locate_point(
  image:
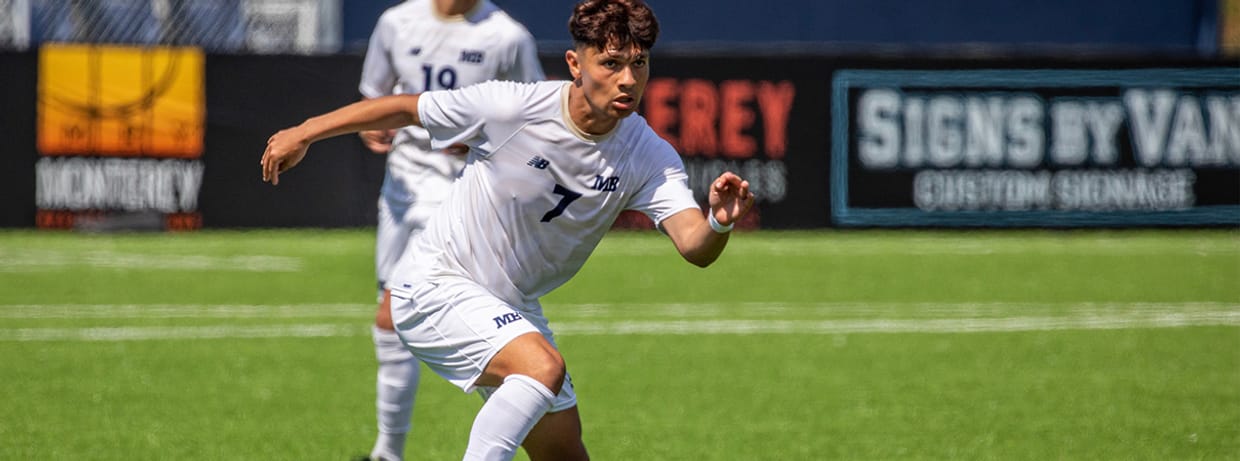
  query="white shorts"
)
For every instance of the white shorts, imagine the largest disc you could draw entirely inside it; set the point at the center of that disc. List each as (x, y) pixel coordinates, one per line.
(456, 327)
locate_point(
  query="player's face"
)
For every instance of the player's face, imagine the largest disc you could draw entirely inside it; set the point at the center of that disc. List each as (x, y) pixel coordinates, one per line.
(613, 80)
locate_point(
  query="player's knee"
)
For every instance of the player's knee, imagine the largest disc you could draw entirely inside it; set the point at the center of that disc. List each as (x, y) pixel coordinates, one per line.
(528, 355)
(545, 364)
(549, 370)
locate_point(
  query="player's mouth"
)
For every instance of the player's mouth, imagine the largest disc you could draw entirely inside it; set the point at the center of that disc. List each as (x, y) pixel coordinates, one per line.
(624, 103)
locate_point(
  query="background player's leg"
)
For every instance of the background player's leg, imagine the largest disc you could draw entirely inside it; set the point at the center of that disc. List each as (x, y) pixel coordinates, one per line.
(396, 382)
(396, 385)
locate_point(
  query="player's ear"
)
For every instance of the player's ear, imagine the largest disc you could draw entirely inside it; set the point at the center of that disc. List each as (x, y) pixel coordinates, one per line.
(574, 66)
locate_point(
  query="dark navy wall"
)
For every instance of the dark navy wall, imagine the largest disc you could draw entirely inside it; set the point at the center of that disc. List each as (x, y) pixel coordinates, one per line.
(1186, 26)
(357, 20)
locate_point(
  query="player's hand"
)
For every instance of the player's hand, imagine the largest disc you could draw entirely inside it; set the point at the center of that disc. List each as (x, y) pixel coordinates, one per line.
(378, 141)
(729, 198)
(285, 150)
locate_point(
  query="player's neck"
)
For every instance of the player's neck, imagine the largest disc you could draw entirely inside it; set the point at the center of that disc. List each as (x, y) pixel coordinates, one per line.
(586, 119)
(455, 7)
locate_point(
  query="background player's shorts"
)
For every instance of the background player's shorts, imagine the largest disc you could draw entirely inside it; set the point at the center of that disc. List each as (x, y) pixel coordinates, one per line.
(398, 223)
(456, 327)
(410, 195)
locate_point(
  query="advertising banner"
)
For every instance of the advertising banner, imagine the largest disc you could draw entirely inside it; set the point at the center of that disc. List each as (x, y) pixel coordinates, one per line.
(106, 138)
(120, 136)
(169, 138)
(1036, 147)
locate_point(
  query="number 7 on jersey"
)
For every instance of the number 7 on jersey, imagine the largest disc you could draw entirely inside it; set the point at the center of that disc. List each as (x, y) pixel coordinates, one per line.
(568, 198)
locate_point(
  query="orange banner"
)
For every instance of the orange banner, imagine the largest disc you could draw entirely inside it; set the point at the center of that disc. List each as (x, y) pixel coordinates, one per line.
(121, 101)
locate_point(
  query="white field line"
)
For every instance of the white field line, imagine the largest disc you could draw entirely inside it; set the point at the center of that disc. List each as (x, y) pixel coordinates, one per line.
(180, 332)
(22, 261)
(1080, 317)
(174, 311)
(1015, 324)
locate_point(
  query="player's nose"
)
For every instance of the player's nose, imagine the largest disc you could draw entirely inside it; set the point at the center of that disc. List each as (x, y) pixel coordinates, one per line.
(628, 78)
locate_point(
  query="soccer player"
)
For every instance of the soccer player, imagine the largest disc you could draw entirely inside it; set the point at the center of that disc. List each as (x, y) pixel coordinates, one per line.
(551, 166)
(418, 46)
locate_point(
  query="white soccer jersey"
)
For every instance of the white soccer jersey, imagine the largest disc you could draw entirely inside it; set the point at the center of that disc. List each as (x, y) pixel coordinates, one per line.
(539, 194)
(415, 49)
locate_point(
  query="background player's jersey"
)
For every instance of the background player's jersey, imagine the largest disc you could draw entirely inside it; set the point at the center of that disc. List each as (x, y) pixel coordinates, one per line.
(415, 49)
(539, 194)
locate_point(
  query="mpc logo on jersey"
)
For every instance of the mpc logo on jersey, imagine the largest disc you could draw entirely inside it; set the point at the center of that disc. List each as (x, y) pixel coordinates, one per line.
(471, 56)
(506, 319)
(606, 183)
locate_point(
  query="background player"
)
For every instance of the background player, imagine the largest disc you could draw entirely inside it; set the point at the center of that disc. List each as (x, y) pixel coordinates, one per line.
(417, 46)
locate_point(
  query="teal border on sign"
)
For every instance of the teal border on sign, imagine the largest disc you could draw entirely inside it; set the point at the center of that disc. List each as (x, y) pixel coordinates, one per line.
(845, 80)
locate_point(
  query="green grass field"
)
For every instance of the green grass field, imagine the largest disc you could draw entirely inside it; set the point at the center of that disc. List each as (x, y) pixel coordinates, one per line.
(1013, 345)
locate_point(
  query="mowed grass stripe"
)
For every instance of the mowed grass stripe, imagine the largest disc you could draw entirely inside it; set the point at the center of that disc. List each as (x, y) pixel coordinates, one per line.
(630, 311)
(1017, 324)
(1042, 244)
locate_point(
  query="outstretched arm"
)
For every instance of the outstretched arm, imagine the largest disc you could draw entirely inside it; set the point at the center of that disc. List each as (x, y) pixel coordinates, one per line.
(378, 141)
(287, 147)
(697, 241)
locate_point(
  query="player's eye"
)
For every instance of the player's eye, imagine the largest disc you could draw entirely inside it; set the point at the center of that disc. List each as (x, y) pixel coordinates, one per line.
(610, 64)
(640, 63)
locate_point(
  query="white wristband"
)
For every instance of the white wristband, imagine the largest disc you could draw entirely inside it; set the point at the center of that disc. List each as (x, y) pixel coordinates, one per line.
(714, 224)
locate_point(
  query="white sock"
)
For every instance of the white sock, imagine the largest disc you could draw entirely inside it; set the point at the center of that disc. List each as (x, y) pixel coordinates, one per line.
(507, 417)
(396, 383)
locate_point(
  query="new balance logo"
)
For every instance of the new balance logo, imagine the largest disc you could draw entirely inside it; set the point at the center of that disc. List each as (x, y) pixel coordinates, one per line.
(538, 162)
(506, 319)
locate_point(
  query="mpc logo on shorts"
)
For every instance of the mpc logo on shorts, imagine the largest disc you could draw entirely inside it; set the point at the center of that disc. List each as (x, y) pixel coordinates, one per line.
(506, 319)
(120, 136)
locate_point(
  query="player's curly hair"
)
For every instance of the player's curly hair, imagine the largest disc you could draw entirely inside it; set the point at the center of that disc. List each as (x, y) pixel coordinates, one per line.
(613, 23)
